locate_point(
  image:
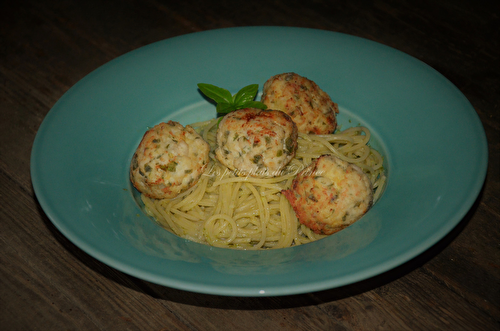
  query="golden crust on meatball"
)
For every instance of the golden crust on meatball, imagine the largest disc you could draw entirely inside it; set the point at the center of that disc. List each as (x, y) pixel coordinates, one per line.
(256, 142)
(330, 194)
(309, 106)
(169, 160)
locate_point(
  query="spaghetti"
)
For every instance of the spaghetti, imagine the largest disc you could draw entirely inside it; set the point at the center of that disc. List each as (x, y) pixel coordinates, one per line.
(243, 212)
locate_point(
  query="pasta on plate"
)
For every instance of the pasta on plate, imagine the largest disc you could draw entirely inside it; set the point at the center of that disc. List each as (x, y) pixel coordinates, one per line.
(233, 210)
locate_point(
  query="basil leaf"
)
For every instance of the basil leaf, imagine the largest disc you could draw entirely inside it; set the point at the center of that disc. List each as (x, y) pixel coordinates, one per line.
(255, 104)
(226, 103)
(218, 94)
(246, 94)
(224, 107)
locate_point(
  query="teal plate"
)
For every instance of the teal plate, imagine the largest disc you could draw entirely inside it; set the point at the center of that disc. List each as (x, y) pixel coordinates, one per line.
(431, 137)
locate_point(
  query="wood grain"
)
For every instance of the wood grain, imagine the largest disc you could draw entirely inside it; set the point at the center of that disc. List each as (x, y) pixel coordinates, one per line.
(47, 283)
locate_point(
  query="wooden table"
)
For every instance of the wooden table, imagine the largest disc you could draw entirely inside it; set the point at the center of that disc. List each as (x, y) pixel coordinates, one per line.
(47, 283)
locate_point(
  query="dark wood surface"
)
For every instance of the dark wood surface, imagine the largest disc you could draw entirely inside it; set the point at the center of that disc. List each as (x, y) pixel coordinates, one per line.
(47, 283)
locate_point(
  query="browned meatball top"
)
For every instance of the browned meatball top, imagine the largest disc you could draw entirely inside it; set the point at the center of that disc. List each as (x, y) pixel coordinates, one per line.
(330, 194)
(309, 106)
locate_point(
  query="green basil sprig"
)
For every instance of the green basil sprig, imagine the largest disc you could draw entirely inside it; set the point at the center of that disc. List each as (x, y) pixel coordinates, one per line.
(226, 102)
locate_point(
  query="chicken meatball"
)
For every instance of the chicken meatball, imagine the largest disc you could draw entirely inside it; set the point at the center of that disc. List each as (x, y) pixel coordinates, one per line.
(256, 142)
(309, 106)
(169, 160)
(330, 194)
